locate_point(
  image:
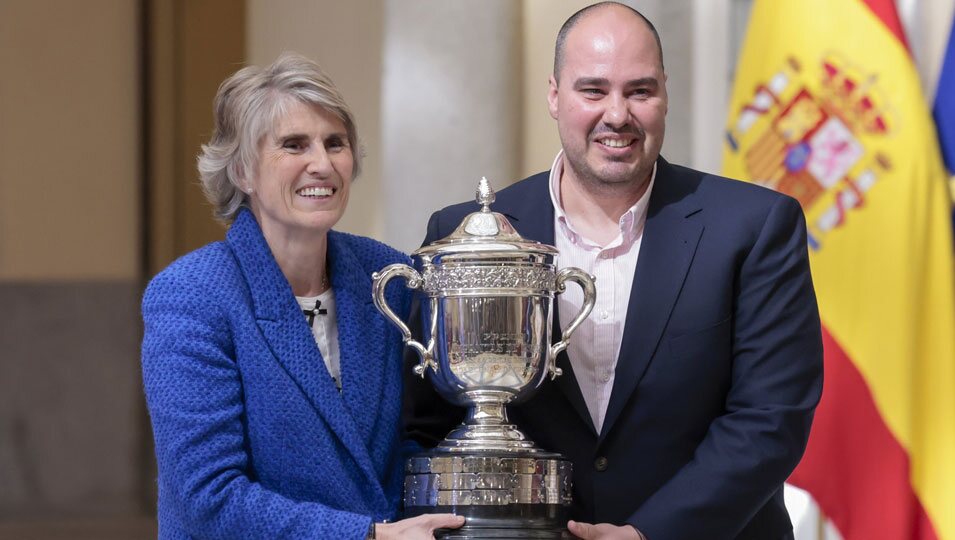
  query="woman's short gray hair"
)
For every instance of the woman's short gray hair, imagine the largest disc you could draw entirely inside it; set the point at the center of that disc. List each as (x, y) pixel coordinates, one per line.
(247, 107)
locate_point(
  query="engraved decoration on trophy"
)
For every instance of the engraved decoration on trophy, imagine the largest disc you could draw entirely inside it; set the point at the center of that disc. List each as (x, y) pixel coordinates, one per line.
(486, 314)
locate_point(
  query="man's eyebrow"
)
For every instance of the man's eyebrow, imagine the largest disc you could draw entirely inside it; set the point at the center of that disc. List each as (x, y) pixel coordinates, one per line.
(644, 81)
(600, 81)
(590, 81)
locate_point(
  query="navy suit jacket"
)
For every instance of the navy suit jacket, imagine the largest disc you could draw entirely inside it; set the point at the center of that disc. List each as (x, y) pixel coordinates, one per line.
(253, 439)
(719, 372)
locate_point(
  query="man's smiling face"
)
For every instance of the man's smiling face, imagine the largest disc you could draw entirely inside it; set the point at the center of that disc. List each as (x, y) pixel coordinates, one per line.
(610, 102)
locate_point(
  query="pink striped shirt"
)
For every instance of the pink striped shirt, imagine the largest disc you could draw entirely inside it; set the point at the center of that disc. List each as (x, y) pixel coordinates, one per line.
(595, 346)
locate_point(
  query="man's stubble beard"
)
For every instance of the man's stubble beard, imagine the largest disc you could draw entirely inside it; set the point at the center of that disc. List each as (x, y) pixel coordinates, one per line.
(609, 186)
(605, 185)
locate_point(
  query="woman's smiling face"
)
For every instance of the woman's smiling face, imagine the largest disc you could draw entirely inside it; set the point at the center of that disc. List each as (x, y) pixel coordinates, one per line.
(304, 172)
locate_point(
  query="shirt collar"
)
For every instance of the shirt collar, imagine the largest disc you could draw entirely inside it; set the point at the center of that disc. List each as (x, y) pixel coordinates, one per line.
(631, 222)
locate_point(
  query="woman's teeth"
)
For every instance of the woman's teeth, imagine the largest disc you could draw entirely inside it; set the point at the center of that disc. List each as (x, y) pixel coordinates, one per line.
(316, 192)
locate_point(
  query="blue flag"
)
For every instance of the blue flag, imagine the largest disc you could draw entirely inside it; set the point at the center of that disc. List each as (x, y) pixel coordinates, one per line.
(944, 110)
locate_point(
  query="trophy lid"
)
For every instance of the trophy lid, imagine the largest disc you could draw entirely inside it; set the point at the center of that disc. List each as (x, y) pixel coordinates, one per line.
(485, 231)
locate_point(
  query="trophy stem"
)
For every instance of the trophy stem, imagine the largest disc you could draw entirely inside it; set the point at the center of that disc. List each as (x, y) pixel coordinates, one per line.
(486, 413)
(487, 429)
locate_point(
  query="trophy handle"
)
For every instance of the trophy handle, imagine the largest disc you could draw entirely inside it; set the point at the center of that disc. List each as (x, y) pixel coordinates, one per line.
(413, 281)
(586, 282)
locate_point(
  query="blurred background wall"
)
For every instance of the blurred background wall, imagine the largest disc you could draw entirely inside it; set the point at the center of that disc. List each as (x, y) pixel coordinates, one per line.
(103, 106)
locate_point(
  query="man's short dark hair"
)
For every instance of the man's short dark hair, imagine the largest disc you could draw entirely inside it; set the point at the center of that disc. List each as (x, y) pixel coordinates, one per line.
(575, 18)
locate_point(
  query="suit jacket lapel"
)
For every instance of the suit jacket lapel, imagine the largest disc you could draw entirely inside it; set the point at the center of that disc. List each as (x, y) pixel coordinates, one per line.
(533, 218)
(290, 339)
(669, 242)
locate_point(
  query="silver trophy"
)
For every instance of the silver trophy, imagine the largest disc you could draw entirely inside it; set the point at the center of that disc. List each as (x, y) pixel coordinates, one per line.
(487, 320)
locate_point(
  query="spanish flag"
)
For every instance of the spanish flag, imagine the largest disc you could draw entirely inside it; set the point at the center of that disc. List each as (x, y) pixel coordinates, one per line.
(827, 107)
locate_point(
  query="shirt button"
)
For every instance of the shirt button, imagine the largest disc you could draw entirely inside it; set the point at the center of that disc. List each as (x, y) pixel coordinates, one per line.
(600, 464)
(605, 377)
(605, 314)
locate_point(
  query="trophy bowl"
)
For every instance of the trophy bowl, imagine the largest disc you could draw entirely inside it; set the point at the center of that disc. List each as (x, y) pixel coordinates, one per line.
(487, 319)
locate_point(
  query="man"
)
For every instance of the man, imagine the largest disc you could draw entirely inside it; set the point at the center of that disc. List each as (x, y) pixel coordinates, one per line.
(687, 397)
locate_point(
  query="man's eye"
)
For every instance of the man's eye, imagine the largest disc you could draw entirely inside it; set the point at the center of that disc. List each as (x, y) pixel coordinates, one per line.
(592, 91)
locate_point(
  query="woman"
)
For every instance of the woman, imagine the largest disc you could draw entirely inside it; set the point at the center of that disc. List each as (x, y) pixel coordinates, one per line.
(273, 384)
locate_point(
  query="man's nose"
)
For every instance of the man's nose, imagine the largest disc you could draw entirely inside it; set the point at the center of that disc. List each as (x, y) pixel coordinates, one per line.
(617, 114)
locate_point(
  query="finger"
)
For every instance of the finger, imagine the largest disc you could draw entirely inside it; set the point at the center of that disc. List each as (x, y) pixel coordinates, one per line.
(582, 530)
(444, 521)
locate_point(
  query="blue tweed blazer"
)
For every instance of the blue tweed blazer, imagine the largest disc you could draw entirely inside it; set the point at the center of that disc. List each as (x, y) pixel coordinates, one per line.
(253, 440)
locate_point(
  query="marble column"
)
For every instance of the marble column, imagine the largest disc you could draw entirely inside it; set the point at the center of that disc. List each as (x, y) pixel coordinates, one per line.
(451, 96)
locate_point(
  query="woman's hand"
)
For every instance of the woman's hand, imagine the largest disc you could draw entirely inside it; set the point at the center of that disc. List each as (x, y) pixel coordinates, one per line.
(419, 527)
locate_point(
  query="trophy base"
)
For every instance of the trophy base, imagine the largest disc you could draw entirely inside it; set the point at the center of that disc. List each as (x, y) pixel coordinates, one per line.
(512, 522)
(501, 534)
(465, 533)
(501, 495)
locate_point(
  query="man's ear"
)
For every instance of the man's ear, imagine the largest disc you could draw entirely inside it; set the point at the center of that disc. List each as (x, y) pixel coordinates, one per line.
(667, 106)
(552, 97)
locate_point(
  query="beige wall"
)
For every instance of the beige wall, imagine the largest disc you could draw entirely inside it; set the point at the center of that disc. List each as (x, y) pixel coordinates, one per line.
(451, 110)
(69, 140)
(542, 20)
(72, 431)
(193, 45)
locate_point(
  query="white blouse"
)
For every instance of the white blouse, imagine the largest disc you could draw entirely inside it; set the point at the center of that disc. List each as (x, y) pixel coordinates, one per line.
(321, 311)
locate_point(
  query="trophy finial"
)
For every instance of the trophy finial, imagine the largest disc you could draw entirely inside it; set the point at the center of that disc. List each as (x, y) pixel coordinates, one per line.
(485, 194)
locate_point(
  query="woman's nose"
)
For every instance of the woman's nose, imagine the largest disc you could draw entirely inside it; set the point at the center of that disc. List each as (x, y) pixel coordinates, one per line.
(319, 164)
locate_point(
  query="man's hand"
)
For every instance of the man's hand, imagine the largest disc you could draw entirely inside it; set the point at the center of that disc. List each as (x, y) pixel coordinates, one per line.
(417, 528)
(603, 531)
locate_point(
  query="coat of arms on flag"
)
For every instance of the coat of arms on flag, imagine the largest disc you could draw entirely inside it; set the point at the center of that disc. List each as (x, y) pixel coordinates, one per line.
(806, 142)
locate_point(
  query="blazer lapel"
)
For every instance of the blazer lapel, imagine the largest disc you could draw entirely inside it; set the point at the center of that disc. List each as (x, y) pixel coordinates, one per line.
(669, 243)
(290, 339)
(361, 344)
(533, 218)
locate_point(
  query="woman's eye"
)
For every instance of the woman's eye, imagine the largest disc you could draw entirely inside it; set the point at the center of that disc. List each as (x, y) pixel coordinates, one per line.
(335, 143)
(293, 145)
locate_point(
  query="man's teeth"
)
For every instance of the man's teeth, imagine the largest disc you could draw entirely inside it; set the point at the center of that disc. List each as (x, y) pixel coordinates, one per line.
(316, 192)
(616, 143)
